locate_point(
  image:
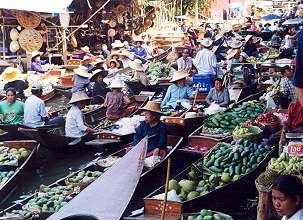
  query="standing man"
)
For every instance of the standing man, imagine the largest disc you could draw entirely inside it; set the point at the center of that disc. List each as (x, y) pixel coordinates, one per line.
(205, 60)
(185, 63)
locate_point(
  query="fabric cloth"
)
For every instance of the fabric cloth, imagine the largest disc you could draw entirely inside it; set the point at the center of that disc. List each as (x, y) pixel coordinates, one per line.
(80, 83)
(185, 64)
(295, 115)
(56, 120)
(297, 79)
(125, 63)
(297, 216)
(175, 93)
(287, 89)
(205, 62)
(12, 113)
(37, 66)
(219, 97)
(74, 125)
(19, 86)
(141, 77)
(139, 52)
(34, 111)
(144, 130)
(114, 104)
(99, 90)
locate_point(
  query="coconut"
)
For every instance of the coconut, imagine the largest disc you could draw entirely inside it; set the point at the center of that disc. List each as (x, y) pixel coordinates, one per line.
(187, 185)
(192, 195)
(173, 184)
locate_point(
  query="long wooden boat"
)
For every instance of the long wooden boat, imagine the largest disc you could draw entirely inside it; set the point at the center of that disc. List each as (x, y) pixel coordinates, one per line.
(161, 56)
(48, 96)
(14, 179)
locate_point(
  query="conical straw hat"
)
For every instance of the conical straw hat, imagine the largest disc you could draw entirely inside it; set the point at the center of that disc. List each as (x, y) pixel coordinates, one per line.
(11, 74)
(78, 97)
(152, 106)
(178, 75)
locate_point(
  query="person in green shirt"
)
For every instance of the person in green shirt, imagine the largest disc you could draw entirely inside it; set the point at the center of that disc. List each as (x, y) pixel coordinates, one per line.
(11, 110)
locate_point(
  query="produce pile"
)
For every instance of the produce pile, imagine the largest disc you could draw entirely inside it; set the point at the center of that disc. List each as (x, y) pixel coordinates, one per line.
(208, 215)
(223, 123)
(246, 132)
(84, 177)
(158, 70)
(227, 162)
(60, 190)
(11, 156)
(43, 202)
(5, 175)
(105, 123)
(264, 119)
(286, 164)
(272, 53)
(20, 214)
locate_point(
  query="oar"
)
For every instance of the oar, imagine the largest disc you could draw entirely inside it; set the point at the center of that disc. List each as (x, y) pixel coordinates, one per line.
(166, 189)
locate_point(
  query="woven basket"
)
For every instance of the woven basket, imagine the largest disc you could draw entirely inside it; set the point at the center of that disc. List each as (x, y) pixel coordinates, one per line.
(255, 136)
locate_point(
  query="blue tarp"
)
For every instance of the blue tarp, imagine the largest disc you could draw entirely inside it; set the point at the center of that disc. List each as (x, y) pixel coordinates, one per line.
(271, 17)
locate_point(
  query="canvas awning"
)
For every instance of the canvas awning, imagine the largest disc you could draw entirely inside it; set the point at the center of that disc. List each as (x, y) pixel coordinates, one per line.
(47, 6)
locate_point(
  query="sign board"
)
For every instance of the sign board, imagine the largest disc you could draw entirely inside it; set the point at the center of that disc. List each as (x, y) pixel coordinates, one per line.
(294, 148)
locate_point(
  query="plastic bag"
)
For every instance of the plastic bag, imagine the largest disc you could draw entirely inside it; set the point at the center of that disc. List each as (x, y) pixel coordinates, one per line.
(151, 161)
(213, 108)
(270, 103)
(171, 196)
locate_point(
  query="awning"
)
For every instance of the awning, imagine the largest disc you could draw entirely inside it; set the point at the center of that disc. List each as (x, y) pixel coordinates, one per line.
(294, 21)
(270, 17)
(47, 6)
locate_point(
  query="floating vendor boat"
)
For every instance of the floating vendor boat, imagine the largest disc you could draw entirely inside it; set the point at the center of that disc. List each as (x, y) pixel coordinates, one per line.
(16, 157)
(161, 56)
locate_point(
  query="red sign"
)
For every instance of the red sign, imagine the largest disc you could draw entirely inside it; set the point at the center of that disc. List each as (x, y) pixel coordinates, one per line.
(295, 149)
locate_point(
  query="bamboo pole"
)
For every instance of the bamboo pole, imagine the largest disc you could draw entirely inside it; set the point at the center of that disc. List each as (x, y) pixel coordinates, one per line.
(166, 189)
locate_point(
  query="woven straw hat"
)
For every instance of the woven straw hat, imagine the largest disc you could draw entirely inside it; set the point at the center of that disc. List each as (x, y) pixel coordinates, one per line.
(78, 97)
(117, 44)
(248, 37)
(235, 44)
(99, 60)
(231, 53)
(138, 39)
(11, 74)
(152, 106)
(136, 65)
(36, 53)
(178, 75)
(206, 42)
(113, 60)
(85, 49)
(82, 71)
(116, 83)
(98, 72)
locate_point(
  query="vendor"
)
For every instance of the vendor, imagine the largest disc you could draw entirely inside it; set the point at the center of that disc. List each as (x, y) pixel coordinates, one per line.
(155, 129)
(124, 58)
(11, 109)
(115, 100)
(177, 91)
(218, 94)
(86, 52)
(138, 50)
(287, 90)
(113, 67)
(287, 197)
(156, 51)
(13, 79)
(35, 114)
(139, 71)
(100, 88)
(80, 79)
(185, 63)
(75, 126)
(37, 63)
(250, 47)
(246, 64)
(86, 62)
(100, 63)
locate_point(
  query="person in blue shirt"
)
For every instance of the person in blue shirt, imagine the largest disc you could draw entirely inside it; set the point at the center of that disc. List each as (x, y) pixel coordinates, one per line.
(152, 128)
(37, 63)
(297, 79)
(138, 50)
(177, 91)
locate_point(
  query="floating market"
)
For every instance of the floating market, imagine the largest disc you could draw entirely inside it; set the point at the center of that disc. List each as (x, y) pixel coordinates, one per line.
(142, 109)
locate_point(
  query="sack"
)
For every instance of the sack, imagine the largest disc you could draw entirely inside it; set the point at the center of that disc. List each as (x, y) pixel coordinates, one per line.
(151, 161)
(213, 108)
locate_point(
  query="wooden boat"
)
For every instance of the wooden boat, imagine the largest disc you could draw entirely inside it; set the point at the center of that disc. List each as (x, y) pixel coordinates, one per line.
(48, 96)
(161, 56)
(14, 180)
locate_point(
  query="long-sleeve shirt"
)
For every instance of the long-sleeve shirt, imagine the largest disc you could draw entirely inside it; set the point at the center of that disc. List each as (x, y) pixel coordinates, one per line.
(185, 64)
(219, 97)
(139, 52)
(37, 66)
(74, 125)
(297, 79)
(175, 93)
(205, 62)
(80, 83)
(158, 132)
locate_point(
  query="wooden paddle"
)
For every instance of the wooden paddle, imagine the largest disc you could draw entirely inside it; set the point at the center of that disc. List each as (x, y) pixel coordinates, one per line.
(166, 189)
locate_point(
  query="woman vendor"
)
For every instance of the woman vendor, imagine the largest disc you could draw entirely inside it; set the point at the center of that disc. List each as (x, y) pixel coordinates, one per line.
(153, 128)
(37, 63)
(115, 100)
(138, 50)
(177, 91)
(287, 90)
(113, 67)
(13, 79)
(75, 126)
(100, 88)
(287, 197)
(11, 109)
(218, 94)
(139, 71)
(80, 79)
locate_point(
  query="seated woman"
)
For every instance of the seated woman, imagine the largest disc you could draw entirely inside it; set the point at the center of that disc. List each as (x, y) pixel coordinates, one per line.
(139, 71)
(287, 197)
(114, 100)
(177, 91)
(113, 67)
(80, 79)
(11, 110)
(152, 127)
(218, 94)
(75, 126)
(37, 63)
(100, 88)
(13, 79)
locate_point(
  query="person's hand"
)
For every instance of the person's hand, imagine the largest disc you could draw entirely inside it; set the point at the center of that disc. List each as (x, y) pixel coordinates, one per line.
(49, 116)
(90, 130)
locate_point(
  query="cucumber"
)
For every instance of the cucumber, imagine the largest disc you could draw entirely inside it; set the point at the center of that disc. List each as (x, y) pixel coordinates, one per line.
(231, 171)
(207, 217)
(237, 170)
(218, 161)
(215, 122)
(244, 161)
(236, 156)
(210, 162)
(243, 169)
(253, 159)
(259, 159)
(216, 169)
(244, 153)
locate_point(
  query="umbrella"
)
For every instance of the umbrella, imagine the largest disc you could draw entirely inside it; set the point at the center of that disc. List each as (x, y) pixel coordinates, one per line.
(270, 17)
(293, 21)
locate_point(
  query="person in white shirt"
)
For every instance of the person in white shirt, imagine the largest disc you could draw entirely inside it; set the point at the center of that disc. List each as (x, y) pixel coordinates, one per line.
(75, 126)
(287, 197)
(205, 60)
(185, 63)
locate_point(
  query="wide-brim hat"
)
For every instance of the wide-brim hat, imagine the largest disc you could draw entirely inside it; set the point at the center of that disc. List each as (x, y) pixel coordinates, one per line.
(218, 37)
(113, 60)
(206, 42)
(138, 39)
(136, 65)
(152, 106)
(111, 32)
(231, 53)
(98, 72)
(99, 60)
(248, 37)
(178, 75)
(85, 49)
(78, 97)
(235, 44)
(117, 44)
(116, 83)
(236, 27)
(82, 71)
(11, 74)
(36, 53)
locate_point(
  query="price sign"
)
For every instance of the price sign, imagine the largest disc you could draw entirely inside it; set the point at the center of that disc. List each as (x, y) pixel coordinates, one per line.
(295, 148)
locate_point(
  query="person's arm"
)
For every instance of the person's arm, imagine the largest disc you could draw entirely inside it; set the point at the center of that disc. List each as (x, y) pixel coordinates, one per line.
(162, 143)
(43, 62)
(81, 125)
(189, 92)
(209, 96)
(43, 112)
(297, 79)
(179, 64)
(138, 135)
(283, 87)
(214, 63)
(166, 97)
(196, 60)
(106, 101)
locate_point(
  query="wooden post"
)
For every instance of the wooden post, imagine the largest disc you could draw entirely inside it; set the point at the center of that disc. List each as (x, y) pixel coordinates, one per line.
(28, 60)
(166, 189)
(64, 46)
